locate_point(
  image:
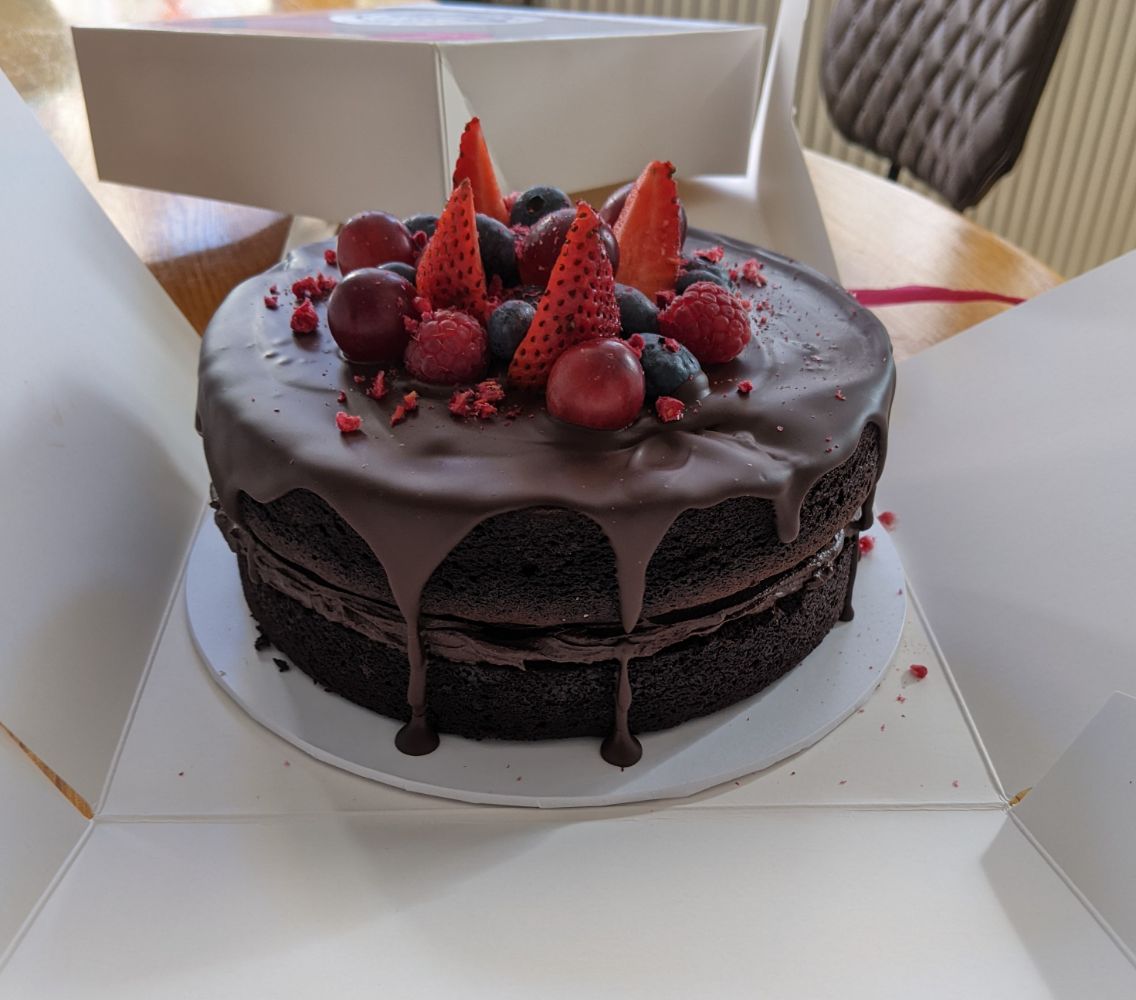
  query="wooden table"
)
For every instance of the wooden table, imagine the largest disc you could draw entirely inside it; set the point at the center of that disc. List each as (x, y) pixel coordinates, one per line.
(883, 234)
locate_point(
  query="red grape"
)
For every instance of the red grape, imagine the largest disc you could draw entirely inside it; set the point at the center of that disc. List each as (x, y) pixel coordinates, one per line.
(618, 198)
(373, 238)
(541, 246)
(597, 384)
(365, 315)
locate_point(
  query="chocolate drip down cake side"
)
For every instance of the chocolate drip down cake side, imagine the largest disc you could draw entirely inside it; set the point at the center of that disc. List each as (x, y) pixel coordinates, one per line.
(527, 471)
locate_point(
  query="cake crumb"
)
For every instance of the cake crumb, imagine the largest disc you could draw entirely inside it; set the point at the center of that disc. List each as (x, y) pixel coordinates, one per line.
(281, 665)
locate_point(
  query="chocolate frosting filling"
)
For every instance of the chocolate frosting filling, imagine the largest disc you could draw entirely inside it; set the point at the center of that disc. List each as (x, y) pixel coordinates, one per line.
(821, 368)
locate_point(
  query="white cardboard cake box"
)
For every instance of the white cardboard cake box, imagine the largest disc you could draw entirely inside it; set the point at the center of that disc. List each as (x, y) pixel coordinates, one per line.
(885, 861)
(328, 113)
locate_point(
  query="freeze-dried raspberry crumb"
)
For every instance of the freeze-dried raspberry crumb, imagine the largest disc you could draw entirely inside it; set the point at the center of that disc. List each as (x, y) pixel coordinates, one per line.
(378, 387)
(342, 397)
(305, 288)
(410, 401)
(751, 272)
(483, 409)
(901, 698)
(664, 297)
(867, 543)
(840, 395)
(304, 318)
(461, 402)
(918, 671)
(490, 391)
(271, 302)
(359, 379)
(326, 285)
(955, 784)
(887, 519)
(672, 345)
(780, 427)
(669, 409)
(331, 258)
(714, 254)
(733, 273)
(511, 412)
(398, 416)
(346, 423)
(421, 305)
(745, 387)
(636, 343)
(410, 324)
(273, 290)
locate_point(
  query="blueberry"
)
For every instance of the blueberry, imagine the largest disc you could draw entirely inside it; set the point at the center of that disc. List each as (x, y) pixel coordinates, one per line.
(498, 252)
(407, 271)
(637, 313)
(422, 223)
(507, 327)
(537, 202)
(698, 264)
(693, 277)
(665, 370)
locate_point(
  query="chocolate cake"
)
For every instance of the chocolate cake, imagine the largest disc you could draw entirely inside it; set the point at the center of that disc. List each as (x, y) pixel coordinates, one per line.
(509, 575)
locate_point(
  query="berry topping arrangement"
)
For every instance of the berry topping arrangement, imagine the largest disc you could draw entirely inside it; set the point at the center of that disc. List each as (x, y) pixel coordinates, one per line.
(599, 312)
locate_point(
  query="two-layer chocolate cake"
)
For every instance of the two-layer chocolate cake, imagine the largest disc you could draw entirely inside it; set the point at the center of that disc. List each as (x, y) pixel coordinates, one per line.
(583, 527)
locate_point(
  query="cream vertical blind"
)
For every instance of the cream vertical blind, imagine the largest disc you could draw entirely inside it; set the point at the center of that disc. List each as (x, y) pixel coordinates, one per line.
(1071, 198)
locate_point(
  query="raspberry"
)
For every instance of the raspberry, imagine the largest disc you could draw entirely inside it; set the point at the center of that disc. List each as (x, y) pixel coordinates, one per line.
(448, 348)
(708, 320)
(304, 318)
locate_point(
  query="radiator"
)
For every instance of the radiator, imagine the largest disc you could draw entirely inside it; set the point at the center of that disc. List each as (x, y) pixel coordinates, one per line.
(1071, 198)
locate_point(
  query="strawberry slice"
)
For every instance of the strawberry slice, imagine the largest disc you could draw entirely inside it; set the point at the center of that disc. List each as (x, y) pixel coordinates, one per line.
(475, 166)
(450, 274)
(648, 232)
(578, 304)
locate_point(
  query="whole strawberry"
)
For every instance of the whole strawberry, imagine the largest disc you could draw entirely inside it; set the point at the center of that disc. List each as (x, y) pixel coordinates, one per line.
(447, 348)
(709, 321)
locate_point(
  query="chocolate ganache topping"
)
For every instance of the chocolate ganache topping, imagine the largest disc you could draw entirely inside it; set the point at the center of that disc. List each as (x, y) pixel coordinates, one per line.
(821, 368)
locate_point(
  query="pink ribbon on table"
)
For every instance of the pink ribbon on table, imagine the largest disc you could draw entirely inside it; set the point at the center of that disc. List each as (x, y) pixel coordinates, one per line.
(926, 293)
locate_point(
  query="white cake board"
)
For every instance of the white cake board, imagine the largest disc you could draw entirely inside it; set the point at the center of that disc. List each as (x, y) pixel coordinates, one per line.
(785, 718)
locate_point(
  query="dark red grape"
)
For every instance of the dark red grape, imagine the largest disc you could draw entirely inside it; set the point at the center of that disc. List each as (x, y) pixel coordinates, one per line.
(365, 315)
(373, 238)
(597, 384)
(541, 246)
(618, 198)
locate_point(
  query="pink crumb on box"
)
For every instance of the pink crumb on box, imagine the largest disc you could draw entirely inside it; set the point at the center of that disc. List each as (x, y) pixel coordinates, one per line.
(745, 387)
(329, 255)
(918, 671)
(271, 302)
(304, 318)
(867, 543)
(713, 254)
(887, 519)
(347, 423)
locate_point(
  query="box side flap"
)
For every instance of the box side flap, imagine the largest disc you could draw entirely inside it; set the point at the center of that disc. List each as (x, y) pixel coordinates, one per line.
(38, 830)
(623, 108)
(1012, 470)
(104, 477)
(1083, 813)
(314, 126)
(772, 204)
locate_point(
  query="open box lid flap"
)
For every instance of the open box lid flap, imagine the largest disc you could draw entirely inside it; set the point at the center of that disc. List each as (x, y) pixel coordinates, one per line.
(258, 127)
(1083, 812)
(1012, 471)
(104, 476)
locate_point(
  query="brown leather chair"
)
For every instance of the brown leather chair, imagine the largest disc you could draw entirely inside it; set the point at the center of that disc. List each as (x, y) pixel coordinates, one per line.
(944, 89)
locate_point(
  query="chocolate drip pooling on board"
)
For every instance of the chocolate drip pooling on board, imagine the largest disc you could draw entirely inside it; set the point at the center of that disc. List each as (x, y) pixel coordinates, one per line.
(821, 366)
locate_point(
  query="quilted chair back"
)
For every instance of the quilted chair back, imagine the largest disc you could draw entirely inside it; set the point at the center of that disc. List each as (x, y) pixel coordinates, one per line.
(944, 89)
